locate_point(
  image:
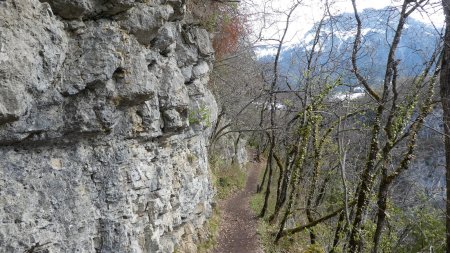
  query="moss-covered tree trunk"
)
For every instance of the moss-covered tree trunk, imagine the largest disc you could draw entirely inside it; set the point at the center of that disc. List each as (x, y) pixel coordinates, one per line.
(445, 95)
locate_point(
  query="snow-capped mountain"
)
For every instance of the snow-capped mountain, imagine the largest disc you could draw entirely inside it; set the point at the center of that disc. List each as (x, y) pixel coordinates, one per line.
(333, 50)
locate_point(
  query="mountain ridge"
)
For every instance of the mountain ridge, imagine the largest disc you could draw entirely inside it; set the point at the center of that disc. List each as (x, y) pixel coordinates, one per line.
(336, 42)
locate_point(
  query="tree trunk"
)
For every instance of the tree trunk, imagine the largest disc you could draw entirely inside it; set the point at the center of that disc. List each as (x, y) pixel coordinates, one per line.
(281, 195)
(280, 178)
(365, 187)
(296, 174)
(337, 234)
(269, 182)
(445, 95)
(381, 214)
(260, 187)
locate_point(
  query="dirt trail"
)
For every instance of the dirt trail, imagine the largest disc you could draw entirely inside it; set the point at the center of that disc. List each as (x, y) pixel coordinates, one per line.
(237, 232)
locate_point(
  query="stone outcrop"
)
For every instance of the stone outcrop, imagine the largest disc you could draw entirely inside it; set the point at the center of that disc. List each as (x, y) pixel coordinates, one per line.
(104, 120)
(231, 149)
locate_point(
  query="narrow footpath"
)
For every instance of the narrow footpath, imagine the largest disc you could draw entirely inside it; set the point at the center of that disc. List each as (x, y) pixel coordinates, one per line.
(237, 233)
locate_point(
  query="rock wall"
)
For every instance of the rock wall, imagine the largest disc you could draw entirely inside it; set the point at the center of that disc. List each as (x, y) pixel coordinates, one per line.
(103, 132)
(231, 149)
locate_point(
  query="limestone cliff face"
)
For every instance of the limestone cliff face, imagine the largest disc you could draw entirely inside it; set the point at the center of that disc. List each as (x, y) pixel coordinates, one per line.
(102, 126)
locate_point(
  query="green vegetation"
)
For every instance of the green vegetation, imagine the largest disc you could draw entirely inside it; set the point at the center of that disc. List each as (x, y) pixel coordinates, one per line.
(212, 230)
(297, 243)
(427, 229)
(200, 116)
(424, 224)
(227, 179)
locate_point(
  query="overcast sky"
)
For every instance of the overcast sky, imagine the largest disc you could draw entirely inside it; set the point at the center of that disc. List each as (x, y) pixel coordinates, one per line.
(311, 11)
